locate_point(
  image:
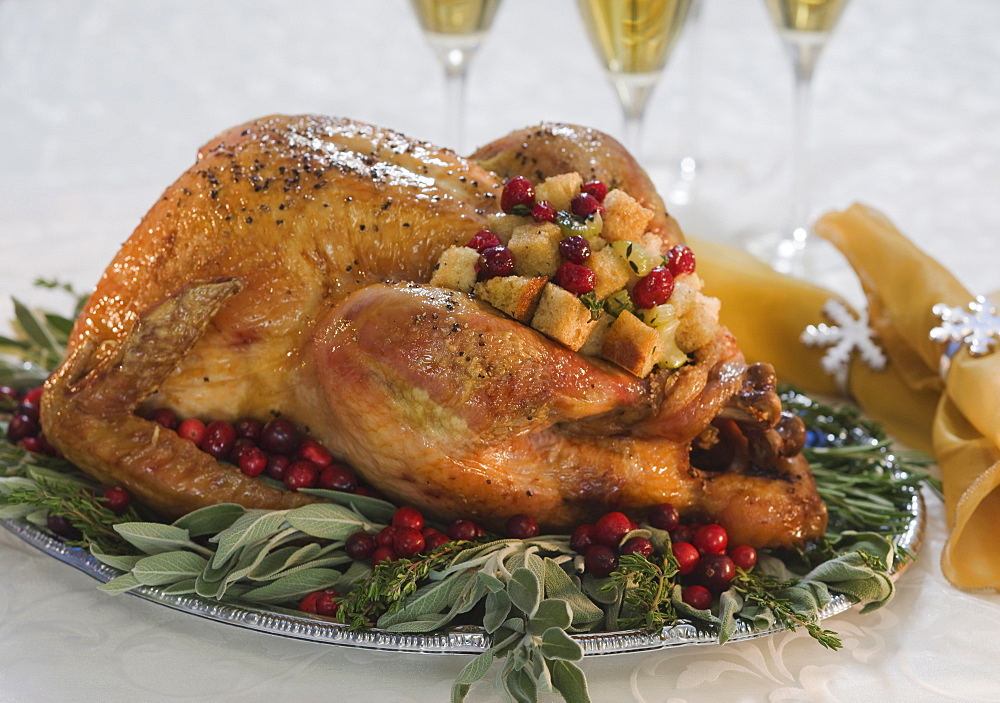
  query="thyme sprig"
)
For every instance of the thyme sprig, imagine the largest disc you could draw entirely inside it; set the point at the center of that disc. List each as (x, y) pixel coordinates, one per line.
(764, 591)
(644, 587)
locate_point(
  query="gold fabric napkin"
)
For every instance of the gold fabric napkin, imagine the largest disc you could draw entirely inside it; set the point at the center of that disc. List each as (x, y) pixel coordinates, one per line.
(957, 419)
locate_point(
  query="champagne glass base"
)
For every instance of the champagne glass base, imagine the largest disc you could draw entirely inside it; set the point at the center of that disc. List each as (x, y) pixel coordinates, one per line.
(795, 252)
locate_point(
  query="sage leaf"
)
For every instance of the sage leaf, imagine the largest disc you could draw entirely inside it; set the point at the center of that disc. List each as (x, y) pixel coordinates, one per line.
(524, 591)
(120, 584)
(459, 692)
(497, 608)
(558, 584)
(475, 669)
(16, 511)
(122, 562)
(556, 644)
(429, 599)
(181, 588)
(569, 680)
(326, 521)
(376, 510)
(36, 331)
(730, 603)
(211, 519)
(415, 626)
(520, 686)
(253, 526)
(551, 612)
(154, 538)
(492, 583)
(294, 587)
(168, 567)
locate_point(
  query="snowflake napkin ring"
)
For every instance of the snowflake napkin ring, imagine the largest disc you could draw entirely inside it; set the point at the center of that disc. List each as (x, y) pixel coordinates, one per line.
(975, 327)
(846, 335)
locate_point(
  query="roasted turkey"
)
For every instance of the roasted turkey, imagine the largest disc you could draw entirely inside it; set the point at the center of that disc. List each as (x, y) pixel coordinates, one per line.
(286, 274)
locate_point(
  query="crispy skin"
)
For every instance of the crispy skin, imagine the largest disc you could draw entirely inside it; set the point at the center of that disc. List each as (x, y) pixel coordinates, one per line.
(313, 220)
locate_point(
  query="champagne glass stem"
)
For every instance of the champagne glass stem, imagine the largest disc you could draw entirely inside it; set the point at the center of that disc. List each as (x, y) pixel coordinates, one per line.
(456, 79)
(804, 57)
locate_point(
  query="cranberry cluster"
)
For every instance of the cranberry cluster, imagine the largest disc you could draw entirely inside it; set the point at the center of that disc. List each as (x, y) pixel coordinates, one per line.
(275, 448)
(25, 428)
(705, 566)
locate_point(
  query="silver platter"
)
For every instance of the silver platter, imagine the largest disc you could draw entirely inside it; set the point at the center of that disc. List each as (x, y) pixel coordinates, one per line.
(461, 640)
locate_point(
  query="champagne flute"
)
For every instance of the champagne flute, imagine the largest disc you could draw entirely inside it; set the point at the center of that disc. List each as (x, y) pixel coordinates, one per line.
(633, 39)
(455, 29)
(804, 27)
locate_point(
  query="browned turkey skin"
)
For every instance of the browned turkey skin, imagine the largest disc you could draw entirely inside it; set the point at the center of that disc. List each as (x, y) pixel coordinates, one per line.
(285, 273)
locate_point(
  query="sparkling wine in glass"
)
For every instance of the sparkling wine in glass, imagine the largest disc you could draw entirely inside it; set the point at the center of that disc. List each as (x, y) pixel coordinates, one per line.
(455, 29)
(804, 27)
(634, 39)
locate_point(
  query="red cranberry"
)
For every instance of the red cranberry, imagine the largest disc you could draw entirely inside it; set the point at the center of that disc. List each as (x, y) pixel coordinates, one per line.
(434, 539)
(218, 439)
(31, 403)
(654, 288)
(680, 260)
(697, 596)
(301, 474)
(518, 196)
(165, 417)
(744, 557)
(611, 527)
(407, 542)
(583, 537)
(711, 539)
(21, 427)
(45, 446)
(240, 447)
(408, 516)
(313, 451)
(382, 554)
(595, 188)
(686, 555)
(462, 530)
(277, 464)
(600, 560)
(116, 499)
(575, 278)
(682, 533)
(495, 261)
(279, 435)
(62, 527)
(543, 212)
(253, 461)
(32, 444)
(714, 572)
(575, 248)
(337, 477)
(522, 527)
(638, 545)
(325, 603)
(585, 205)
(384, 536)
(360, 546)
(664, 517)
(249, 428)
(193, 429)
(483, 240)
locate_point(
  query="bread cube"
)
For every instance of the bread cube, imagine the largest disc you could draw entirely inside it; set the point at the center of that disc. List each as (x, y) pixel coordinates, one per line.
(456, 269)
(611, 272)
(515, 295)
(502, 225)
(536, 249)
(595, 341)
(561, 316)
(625, 218)
(632, 344)
(699, 325)
(559, 190)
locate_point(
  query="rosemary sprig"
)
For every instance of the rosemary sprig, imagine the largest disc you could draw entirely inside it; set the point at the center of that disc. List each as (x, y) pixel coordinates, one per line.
(645, 586)
(82, 508)
(391, 583)
(764, 591)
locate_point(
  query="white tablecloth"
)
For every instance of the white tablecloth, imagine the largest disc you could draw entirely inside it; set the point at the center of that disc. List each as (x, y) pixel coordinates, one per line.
(104, 102)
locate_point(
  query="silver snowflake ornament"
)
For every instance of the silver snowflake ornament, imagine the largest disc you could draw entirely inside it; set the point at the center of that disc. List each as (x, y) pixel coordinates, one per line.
(846, 335)
(977, 326)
